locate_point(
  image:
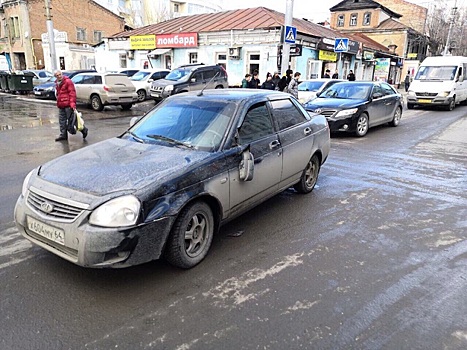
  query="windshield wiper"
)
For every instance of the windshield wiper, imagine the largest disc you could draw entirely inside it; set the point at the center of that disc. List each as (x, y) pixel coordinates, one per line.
(169, 140)
(135, 137)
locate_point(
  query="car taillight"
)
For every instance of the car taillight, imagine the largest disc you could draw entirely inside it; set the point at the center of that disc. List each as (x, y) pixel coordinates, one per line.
(225, 72)
(106, 88)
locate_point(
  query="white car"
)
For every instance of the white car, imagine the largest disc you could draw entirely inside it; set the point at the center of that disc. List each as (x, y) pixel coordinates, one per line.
(308, 89)
(142, 80)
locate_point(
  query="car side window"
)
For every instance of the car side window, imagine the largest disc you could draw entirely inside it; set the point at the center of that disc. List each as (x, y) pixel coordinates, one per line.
(78, 79)
(256, 124)
(209, 74)
(387, 89)
(87, 79)
(98, 80)
(198, 76)
(377, 90)
(286, 114)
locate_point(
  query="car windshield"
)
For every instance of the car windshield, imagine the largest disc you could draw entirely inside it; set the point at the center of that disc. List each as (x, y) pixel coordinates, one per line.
(177, 74)
(194, 123)
(140, 76)
(347, 91)
(436, 73)
(310, 85)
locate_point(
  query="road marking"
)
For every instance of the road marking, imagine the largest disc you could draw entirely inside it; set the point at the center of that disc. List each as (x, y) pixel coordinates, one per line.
(14, 248)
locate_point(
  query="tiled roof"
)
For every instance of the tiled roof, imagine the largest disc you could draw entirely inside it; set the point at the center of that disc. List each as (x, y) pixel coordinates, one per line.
(242, 19)
(391, 24)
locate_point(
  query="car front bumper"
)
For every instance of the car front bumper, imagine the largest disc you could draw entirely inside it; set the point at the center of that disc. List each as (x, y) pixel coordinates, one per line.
(347, 124)
(429, 101)
(91, 246)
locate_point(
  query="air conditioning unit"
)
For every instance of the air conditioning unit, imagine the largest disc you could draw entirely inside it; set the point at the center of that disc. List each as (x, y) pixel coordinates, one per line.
(234, 51)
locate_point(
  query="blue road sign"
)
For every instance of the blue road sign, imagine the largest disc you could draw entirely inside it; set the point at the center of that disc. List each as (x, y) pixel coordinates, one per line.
(341, 45)
(290, 34)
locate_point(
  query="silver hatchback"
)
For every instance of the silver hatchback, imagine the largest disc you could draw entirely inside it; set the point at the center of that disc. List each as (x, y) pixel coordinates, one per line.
(103, 89)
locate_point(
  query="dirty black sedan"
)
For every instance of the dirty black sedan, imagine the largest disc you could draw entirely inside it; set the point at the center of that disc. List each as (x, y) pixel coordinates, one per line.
(164, 187)
(357, 106)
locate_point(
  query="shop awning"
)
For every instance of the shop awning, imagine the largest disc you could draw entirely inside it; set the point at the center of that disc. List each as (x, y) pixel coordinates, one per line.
(157, 52)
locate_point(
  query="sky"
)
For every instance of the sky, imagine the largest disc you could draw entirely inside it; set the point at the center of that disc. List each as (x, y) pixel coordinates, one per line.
(313, 10)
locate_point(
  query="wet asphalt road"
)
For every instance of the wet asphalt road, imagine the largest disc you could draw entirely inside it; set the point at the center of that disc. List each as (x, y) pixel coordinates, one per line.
(374, 258)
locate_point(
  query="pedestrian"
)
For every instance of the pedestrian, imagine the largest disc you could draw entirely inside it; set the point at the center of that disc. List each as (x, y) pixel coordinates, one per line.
(327, 74)
(66, 103)
(255, 83)
(276, 79)
(351, 76)
(293, 85)
(407, 80)
(246, 80)
(268, 83)
(285, 80)
(335, 75)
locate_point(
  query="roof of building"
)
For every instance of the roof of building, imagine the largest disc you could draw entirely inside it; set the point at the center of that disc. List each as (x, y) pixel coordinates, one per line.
(348, 5)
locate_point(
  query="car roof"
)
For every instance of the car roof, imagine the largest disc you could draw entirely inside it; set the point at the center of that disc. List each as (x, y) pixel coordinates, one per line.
(233, 94)
(321, 80)
(150, 70)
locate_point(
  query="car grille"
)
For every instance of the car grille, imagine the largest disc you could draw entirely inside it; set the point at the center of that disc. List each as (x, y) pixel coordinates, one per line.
(426, 94)
(59, 211)
(157, 88)
(328, 112)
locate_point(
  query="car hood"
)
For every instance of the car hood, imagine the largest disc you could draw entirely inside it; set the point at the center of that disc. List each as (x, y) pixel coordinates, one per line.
(116, 165)
(165, 82)
(45, 85)
(335, 103)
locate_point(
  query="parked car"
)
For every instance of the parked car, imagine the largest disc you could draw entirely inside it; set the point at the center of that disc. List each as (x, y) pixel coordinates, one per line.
(356, 106)
(191, 77)
(39, 76)
(47, 89)
(143, 79)
(103, 89)
(164, 187)
(308, 89)
(127, 72)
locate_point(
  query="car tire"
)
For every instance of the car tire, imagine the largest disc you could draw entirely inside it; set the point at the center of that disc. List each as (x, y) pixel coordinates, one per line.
(451, 105)
(126, 106)
(141, 95)
(191, 236)
(396, 119)
(362, 125)
(309, 176)
(410, 106)
(96, 103)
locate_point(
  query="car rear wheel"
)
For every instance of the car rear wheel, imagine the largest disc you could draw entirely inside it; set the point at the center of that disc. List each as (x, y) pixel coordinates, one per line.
(397, 117)
(96, 103)
(362, 125)
(191, 236)
(309, 176)
(141, 95)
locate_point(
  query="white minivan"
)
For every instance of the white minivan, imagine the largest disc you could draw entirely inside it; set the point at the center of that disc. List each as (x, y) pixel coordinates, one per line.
(440, 81)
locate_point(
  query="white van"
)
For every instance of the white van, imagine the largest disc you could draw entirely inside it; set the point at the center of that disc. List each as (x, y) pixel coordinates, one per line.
(440, 81)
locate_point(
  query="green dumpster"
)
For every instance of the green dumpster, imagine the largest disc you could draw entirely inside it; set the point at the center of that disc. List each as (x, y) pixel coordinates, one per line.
(4, 81)
(21, 82)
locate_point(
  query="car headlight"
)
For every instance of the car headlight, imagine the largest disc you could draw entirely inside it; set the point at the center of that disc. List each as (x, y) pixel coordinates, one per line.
(411, 93)
(169, 88)
(25, 187)
(50, 89)
(118, 212)
(444, 93)
(346, 112)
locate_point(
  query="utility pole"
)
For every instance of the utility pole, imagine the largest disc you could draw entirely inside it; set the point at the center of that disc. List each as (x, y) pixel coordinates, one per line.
(286, 46)
(451, 23)
(50, 32)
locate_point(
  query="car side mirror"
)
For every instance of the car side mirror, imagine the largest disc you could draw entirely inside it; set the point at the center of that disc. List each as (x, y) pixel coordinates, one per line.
(150, 80)
(193, 80)
(246, 166)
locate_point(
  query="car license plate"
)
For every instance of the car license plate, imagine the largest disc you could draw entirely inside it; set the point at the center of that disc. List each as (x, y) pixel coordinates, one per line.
(49, 232)
(37, 92)
(424, 101)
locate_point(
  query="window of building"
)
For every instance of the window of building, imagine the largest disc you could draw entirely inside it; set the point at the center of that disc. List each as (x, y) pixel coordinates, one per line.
(80, 34)
(176, 8)
(353, 19)
(123, 61)
(340, 20)
(221, 60)
(97, 36)
(193, 58)
(14, 27)
(367, 18)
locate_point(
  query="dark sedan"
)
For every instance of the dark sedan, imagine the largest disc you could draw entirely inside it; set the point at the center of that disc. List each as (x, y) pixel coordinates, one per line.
(47, 90)
(165, 186)
(357, 106)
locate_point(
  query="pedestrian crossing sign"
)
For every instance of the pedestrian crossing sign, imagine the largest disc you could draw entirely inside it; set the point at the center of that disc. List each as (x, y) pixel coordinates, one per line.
(290, 34)
(341, 45)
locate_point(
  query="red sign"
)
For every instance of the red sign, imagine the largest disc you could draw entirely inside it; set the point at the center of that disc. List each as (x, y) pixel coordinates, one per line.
(176, 40)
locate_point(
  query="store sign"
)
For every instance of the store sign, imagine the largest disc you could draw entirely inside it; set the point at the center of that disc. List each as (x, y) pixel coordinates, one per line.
(412, 55)
(143, 42)
(382, 69)
(327, 56)
(177, 40)
(58, 37)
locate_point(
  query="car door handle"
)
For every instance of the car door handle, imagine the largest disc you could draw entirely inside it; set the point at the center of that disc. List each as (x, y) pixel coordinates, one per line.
(274, 144)
(307, 131)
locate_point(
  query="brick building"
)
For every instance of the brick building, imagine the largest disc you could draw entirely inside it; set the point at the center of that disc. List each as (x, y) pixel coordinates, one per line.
(78, 24)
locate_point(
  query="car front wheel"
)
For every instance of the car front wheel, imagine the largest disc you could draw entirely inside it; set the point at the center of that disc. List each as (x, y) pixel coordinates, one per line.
(397, 117)
(191, 236)
(362, 125)
(309, 176)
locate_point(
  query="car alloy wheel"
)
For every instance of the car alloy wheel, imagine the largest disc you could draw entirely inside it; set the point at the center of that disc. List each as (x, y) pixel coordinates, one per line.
(397, 117)
(362, 125)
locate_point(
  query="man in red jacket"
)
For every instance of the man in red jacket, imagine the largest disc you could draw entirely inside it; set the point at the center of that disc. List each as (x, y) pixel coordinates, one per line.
(66, 103)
